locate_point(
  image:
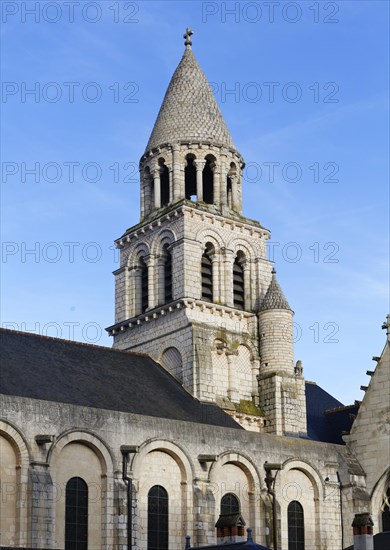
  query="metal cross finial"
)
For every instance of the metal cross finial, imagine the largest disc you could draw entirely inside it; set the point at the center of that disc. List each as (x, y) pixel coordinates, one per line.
(189, 32)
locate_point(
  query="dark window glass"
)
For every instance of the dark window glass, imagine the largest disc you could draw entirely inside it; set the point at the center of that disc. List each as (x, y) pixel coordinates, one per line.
(386, 512)
(296, 529)
(144, 286)
(76, 514)
(168, 277)
(207, 278)
(229, 504)
(190, 178)
(208, 182)
(238, 284)
(164, 178)
(157, 518)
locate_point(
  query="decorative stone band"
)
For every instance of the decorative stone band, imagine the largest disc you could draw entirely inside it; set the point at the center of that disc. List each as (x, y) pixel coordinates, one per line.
(201, 144)
(166, 309)
(178, 210)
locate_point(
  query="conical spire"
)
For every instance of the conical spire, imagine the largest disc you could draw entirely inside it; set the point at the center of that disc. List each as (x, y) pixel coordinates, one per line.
(274, 297)
(189, 111)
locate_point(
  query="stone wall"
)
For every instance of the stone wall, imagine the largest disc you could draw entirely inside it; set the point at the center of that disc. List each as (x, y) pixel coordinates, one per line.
(87, 442)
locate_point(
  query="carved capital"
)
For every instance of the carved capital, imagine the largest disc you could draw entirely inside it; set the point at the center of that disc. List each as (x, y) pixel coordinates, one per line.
(199, 165)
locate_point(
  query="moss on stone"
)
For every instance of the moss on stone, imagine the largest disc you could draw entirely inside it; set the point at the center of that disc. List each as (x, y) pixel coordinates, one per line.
(248, 407)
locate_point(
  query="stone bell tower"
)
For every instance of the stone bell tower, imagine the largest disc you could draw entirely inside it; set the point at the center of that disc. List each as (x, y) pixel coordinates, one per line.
(194, 273)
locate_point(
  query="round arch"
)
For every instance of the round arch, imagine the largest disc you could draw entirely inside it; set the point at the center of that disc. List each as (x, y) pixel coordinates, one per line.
(165, 237)
(140, 251)
(176, 481)
(23, 455)
(310, 471)
(239, 244)
(166, 446)
(250, 496)
(19, 443)
(207, 234)
(102, 479)
(91, 440)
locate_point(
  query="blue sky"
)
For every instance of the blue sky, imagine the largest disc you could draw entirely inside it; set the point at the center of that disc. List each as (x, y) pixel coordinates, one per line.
(323, 132)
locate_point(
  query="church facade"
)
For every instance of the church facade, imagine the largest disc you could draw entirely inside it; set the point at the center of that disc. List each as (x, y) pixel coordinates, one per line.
(174, 431)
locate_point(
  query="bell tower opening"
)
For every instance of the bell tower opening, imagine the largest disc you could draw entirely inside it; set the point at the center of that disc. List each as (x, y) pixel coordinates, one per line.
(207, 273)
(144, 286)
(168, 275)
(164, 178)
(238, 281)
(190, 178)
(208, 180)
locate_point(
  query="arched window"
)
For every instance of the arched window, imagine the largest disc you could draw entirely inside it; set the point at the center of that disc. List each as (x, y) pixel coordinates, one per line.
(168, 275)
(296, 529)
(76, 514)
(190, 178)
(157, 518)
(229, 504)
(164, 179)
(144, 286)
(386, 512)
(207, 274)
(238, 282)
(208, 182)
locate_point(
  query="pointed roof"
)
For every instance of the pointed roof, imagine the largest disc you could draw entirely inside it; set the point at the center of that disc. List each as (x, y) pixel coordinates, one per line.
(274, 297)
(189, 110)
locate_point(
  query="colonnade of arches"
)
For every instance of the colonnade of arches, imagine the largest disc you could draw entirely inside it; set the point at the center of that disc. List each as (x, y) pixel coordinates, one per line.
(202, 180)
(238, 278)
(168, 494)
(222, 279)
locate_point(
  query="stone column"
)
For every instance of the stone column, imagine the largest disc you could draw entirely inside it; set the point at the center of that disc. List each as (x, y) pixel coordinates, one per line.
(215, 268)
(223, 186)
(216, 183)
(246, 267)
(255, 384)
(127, 293)
(235, 205)
(176, 173)
(147, 194)
(151, 263)
(42, 506)
(228, 261)
(160, 279)
(157, 188)
(142, 196)
(199, 165)
(362, 532)
(136, 275)
(232, 389)
(170, 185)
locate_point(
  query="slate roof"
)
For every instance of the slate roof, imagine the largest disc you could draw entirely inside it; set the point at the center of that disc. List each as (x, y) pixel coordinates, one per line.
(326, 416)
(249, 543)
(189, 111)
(274, 297)
(51, 369)
(40, 367)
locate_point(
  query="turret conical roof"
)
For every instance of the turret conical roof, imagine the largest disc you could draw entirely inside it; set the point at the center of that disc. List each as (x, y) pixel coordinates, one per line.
(274, 297)
(189, 110)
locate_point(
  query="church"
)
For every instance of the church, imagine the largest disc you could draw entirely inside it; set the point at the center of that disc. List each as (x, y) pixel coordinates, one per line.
(197, 428)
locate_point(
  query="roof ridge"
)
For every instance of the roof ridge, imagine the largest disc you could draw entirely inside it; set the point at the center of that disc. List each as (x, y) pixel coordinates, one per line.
(341, 408)
(67, 341)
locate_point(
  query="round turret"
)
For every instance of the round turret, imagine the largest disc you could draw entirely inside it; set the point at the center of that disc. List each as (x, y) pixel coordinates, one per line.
(190, 153)
(276, 331)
